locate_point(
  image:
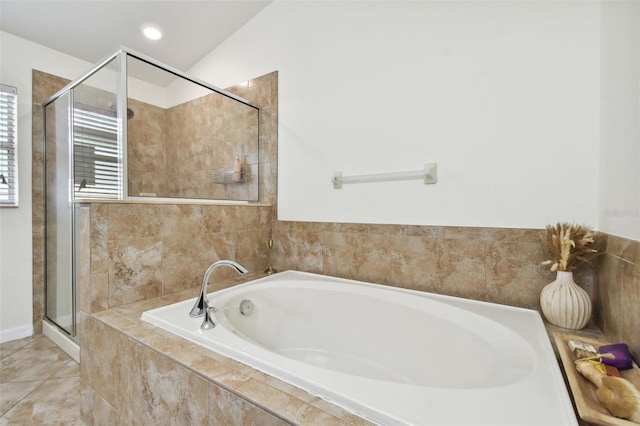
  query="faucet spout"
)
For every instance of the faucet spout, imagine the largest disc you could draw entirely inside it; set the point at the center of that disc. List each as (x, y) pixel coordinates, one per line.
(201, 305)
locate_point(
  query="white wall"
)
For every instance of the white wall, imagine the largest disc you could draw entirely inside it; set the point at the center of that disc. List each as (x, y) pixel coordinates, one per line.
(17, 59)
(504, 96)
(620, 119)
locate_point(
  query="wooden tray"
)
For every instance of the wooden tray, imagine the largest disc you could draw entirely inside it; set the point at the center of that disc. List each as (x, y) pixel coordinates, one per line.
(584, 392)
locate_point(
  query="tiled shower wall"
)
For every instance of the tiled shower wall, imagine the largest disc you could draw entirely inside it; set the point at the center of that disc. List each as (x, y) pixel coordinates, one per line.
(172, 152)
(142, 250)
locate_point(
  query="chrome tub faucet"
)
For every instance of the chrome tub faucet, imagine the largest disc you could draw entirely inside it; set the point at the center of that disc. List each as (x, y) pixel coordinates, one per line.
(201, 306)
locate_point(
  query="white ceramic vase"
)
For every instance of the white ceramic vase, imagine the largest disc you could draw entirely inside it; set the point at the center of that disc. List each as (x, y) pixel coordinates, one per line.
(564, 303)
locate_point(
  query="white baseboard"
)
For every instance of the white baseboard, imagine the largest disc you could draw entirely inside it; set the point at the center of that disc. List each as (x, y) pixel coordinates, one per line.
(16, 333)
(63, 341)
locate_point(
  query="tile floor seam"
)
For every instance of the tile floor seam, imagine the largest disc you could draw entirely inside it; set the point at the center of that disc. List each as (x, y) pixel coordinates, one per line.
(27, 405)
(22, 399)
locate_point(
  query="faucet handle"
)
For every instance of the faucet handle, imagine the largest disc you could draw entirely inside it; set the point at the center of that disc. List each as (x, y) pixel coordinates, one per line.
(207, 324)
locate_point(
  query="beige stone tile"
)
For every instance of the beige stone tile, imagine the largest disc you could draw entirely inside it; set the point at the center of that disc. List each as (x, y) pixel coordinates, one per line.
(339, 261)
(71, 369)
(99, 292)
(8, 348)
(252, 250)
(183, 220)
(95, 410)
(284, 404)
(226, 408)
(12, 393)
(608, 296)
(38, 360)
(113, 319)
(158, 390)
(630, 307)
(53, 402)
(99, 238)
(231, 374)
(186, 259)
(625, 249)
(493, 234)
(415, 270)
(107, 357)
(298, 249)
(200, 359)
(133, 311)
(461, 268)
(83, 254)
(515, 275)
(128, 221)
(135, 270)
(146, 149)
(156, 338)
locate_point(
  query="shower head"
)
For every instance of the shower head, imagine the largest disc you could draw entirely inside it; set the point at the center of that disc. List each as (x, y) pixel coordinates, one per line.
(130, 112)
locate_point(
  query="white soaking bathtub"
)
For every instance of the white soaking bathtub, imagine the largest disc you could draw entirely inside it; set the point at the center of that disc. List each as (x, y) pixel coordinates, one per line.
(391, 355)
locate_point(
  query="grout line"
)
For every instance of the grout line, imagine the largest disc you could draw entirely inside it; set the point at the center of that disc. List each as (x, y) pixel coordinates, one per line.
(18, 402)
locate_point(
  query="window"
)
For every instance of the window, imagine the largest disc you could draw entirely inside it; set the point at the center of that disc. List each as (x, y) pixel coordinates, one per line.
(8, 146)
(97, 166)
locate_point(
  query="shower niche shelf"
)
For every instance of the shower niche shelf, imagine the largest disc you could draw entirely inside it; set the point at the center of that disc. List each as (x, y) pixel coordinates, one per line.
(227, 178)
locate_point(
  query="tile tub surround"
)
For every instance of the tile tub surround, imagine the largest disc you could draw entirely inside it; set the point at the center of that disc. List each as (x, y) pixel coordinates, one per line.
(496, 265)
(135, 373)
(142, 251)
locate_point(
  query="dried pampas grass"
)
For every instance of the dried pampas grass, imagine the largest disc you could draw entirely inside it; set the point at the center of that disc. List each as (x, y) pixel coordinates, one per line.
(570, 245)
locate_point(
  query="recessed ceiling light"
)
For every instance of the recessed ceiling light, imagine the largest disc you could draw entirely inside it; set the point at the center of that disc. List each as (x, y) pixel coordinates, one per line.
(151, 31)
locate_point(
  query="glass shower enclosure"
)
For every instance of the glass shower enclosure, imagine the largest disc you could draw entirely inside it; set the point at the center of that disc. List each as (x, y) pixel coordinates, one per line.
(134, 128)
(82, 152)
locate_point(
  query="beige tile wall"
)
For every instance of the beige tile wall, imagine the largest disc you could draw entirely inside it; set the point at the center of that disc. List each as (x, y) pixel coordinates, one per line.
(617, 295)
(147, 149)
(490, 264)
(141, 251)
(229, 129)
(142, 386)
(173, 152)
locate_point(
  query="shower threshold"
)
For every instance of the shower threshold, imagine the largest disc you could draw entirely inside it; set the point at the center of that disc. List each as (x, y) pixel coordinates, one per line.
(61, 339)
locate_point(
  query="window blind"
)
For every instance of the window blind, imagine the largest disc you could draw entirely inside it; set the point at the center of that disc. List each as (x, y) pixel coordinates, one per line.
(96, 155)
(8, 146)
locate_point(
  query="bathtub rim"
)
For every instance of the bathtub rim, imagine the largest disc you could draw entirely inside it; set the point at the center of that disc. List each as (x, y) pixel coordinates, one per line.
(548, 354)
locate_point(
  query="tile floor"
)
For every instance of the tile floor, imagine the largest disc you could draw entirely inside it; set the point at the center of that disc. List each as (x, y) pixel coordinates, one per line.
(39, 384)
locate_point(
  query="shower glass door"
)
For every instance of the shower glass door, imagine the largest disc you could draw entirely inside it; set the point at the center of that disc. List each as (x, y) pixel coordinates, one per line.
(83, 160)
(60, 306)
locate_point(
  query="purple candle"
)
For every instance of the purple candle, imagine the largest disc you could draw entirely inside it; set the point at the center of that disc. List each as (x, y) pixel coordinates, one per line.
(621, 355)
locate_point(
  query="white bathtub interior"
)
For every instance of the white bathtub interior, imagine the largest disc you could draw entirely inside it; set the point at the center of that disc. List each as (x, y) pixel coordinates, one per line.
(393, 356)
